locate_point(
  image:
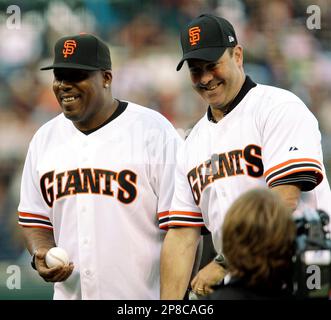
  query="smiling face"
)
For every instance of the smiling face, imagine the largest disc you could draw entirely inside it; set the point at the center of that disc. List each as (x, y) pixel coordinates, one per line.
(81, 95)
(218, 82)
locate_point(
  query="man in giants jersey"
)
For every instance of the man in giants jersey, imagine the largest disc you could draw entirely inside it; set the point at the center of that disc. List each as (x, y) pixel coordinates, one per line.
(94, 181)
(252, 135)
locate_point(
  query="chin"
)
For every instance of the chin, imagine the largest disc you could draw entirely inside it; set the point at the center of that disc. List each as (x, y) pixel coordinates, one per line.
(70, 116)
(214, 101)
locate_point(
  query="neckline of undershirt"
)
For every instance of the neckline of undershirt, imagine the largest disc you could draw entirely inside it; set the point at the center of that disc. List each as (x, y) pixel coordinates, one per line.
(248, 85)
(119, 110)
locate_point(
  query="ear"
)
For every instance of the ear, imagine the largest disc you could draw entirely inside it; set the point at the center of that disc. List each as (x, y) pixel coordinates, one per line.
(107, 78)
(238, 54)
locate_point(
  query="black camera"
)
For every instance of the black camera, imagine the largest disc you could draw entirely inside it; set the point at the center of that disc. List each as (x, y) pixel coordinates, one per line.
(312, 258)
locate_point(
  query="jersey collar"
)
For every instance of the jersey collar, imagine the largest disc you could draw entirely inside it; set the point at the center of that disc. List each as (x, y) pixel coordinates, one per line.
(119, 110)
(248, 85)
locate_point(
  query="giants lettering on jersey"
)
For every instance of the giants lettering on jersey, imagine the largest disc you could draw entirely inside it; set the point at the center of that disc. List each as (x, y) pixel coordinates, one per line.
(225, 165)
(94, 181)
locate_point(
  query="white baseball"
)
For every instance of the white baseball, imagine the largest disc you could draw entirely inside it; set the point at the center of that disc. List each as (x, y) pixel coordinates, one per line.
(56, 257)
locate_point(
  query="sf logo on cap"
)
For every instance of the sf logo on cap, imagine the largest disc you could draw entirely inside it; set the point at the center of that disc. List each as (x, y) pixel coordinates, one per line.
(69, 47)
(194, 34)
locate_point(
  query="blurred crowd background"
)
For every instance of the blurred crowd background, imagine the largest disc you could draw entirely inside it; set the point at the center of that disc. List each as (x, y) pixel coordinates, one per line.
(143, 35)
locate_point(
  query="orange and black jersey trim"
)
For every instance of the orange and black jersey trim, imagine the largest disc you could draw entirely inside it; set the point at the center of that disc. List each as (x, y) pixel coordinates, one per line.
(34, 220)
(306, 172)
(307, 181)
(180, 219)
(163, 220)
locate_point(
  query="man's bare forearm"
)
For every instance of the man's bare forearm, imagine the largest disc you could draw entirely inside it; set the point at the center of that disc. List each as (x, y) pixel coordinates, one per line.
(177, 259)
(290, 194)
(36, 238)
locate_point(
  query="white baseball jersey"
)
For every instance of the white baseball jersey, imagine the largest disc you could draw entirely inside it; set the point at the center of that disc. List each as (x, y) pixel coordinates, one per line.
(269, 138)
(101, 194)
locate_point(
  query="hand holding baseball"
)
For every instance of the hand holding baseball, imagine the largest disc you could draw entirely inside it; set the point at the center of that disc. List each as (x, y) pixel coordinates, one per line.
(56, 257)
(55, 267)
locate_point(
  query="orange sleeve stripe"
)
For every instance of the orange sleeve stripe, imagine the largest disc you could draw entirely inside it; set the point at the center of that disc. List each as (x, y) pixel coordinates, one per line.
(184, 224)
(294, 171)
(38, 226)
(185, 213)
(289, 162)
(163, 214)
(30, 215)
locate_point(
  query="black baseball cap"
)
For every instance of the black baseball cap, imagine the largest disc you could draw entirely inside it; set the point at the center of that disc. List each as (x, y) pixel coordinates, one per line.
(83, 51)
(206, 38)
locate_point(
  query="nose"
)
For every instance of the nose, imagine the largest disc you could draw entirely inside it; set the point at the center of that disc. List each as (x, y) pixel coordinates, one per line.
(206, 77)
(64, 85)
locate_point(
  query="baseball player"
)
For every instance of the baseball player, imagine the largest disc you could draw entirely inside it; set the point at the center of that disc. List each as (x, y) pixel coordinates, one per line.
(94, 181)
(252, 135)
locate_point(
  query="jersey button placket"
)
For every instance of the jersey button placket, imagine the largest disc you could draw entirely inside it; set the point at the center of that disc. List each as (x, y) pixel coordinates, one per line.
(85, 152)
(88, 273)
